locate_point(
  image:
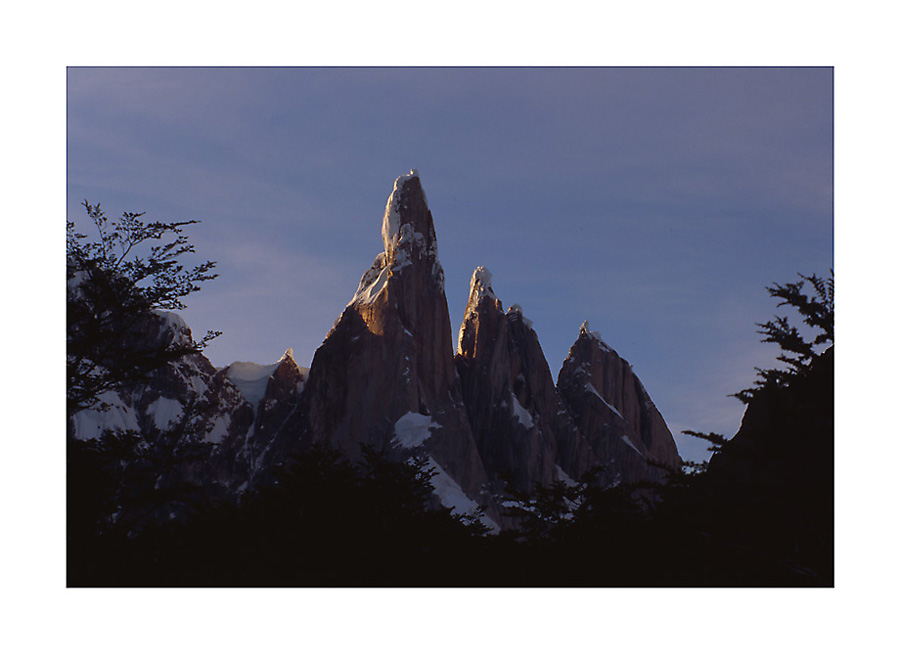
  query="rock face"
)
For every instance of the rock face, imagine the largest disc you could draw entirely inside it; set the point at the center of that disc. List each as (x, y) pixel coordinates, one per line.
(614, 412)
(523, 430)
(385, 376)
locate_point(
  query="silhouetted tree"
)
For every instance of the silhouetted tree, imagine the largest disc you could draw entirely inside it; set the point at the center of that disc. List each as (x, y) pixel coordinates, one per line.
(816, 311)
(114, 284)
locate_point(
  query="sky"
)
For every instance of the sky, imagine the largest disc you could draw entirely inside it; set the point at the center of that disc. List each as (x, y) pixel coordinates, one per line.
(655, 203)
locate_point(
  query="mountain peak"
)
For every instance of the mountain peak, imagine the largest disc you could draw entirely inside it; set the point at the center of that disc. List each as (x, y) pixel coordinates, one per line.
(480, 287)
(586, 332)
(514, 312)
(406, 204)
(407, 231)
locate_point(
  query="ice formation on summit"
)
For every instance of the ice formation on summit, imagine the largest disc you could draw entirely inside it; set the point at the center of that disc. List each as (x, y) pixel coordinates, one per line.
(480, 286)
(390, 226)
(515, 312)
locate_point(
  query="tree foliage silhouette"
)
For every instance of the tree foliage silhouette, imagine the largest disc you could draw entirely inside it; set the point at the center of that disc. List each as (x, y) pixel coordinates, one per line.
(114, 285)
(328, 521)
(798, 352)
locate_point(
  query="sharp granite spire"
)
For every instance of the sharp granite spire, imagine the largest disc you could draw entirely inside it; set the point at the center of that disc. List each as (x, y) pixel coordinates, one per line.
(613, 410)
(385, 376)
(519, 422)
(407, 231)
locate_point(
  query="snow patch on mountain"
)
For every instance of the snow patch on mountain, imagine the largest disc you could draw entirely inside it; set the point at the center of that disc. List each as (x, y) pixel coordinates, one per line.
(174, 326)
(165, 411)
(118, 416)
(631, 445)
(413, 429)
(197, 383)
(590, 387)
(521, 414)
(410, 241)
(452, 496)
(401, 260)
(251, 379)
(563, 477)
(372, 282)
(171, 320)
(218, 430)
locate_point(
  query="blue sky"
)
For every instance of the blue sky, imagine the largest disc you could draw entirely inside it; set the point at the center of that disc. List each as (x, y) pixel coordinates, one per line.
(657, 203)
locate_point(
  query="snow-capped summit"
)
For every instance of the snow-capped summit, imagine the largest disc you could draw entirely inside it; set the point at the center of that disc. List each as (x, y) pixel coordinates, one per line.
(585, 331)
(480, 286)
(407, 232)
(390, 226)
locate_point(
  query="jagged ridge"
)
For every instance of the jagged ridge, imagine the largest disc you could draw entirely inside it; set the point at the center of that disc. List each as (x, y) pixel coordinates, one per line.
(386, 377)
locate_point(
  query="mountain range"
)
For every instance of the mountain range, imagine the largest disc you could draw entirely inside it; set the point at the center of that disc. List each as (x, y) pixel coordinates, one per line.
(486, 415)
